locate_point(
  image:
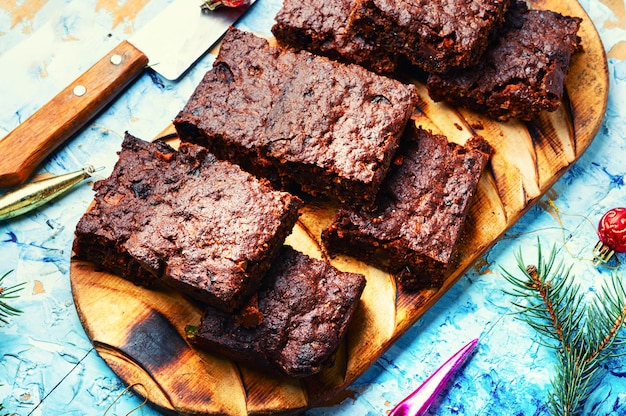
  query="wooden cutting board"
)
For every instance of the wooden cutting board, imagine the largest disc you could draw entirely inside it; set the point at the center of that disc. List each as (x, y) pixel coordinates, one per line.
(140, 332)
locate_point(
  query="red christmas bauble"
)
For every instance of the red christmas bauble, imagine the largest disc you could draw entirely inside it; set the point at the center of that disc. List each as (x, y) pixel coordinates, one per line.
(612, 229)
(210, 5)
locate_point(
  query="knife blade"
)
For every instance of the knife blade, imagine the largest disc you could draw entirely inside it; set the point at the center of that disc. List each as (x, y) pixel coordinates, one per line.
(170, 44)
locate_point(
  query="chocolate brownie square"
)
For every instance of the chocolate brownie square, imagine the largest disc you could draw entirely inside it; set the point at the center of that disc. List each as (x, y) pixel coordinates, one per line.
(306, 306)
(203, 226)
(421, 209)
(322, 28)
(433, 35)
(330, 128)
(523, 71)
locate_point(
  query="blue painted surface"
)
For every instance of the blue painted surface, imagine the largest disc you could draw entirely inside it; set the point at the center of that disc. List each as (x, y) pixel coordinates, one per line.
(48, 365)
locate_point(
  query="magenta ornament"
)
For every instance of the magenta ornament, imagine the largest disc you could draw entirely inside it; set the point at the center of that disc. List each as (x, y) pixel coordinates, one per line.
(418, 402)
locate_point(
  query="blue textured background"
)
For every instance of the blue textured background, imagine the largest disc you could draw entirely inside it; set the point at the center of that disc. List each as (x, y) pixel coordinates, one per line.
(49, 367)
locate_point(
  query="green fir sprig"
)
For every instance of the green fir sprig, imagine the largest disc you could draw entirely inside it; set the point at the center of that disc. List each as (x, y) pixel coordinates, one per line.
(6, 293)
(582, 332)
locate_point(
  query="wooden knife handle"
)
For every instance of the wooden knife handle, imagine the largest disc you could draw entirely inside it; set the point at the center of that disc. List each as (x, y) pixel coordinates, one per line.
(23, 149)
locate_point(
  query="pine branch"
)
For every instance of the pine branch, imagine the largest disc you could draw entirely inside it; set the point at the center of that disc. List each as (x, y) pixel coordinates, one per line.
(9, 292)
(544, 298)
(583, 334)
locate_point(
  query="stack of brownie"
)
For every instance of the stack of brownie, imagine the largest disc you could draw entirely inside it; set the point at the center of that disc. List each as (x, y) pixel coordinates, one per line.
(340, 131)
(216, 233)
(523, 71)
(319, 27)
(337, 131)
(185, 218)
(268, 123)
(300, 315)
(420, 210)
(496, 57)
(298, 119)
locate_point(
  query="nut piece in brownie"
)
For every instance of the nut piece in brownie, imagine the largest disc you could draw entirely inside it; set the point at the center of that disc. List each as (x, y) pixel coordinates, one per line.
(306, 305)
(328, 127)
(523, 71)
(434, 35)
(203, 226)
(421, 209)
(321, 28)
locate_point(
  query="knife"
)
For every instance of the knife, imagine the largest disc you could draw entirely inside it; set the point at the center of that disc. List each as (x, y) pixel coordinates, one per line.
(170, 43)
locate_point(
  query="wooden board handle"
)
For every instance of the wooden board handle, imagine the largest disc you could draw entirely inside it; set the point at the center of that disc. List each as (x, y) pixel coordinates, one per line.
(25, 147)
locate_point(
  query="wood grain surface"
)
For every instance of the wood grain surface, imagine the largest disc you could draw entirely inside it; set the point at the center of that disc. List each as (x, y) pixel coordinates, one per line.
(140, 332)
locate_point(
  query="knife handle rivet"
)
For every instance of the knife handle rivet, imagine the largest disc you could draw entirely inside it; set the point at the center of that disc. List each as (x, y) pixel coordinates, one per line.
(79, 90)
(116, 59)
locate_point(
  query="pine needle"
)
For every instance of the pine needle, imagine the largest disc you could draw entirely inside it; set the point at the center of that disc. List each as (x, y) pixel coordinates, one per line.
(6, 293)
(582, 334)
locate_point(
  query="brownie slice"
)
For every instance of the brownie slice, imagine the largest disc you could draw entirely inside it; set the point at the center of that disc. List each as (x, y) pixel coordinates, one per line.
(523, 71)
(433, 35)
(421, 209)
(203, 226)
(298, 118)
(322, 28)
(306, 306)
